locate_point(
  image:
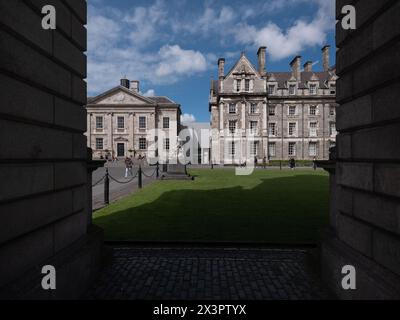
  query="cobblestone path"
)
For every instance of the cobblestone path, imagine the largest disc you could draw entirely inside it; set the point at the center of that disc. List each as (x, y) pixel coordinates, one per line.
(207, 274)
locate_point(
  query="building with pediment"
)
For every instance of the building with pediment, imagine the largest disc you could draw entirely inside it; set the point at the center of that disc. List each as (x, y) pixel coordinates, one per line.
(122, 122)
(273, 115)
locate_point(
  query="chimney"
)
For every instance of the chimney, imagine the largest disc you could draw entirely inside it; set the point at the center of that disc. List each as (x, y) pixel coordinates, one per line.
(296, 67)
(125, 83)
(262, 60)
(135, 86)
(308, 66)
(221, 68)
(325, 57)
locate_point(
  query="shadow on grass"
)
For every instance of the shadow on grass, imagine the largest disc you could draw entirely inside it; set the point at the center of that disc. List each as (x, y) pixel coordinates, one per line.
(287, 210)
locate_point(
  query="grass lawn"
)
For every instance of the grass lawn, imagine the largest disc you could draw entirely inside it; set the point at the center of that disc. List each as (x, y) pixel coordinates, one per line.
(271, 206)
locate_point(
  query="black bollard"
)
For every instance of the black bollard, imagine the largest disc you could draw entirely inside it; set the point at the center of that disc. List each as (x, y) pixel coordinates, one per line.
(107, 189)
(140, 177)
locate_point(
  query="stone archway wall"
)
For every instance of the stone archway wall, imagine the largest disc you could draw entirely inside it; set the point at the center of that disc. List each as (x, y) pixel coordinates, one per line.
(44, 207)
(365, 213)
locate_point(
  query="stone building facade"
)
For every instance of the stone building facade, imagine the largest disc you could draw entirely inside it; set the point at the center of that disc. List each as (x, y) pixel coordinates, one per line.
(277, 115)
(122, 122)
(45, 179)
(365, 182)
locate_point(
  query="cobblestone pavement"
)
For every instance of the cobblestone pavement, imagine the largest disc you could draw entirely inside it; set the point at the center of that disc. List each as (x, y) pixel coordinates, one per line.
(207, 274)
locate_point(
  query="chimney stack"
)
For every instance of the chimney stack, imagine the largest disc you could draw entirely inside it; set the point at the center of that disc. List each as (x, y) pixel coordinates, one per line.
(325, 57)
(125, 83)
(135, 86)
(221, 68)
(308, 66)
(296, 67)
(262, 60)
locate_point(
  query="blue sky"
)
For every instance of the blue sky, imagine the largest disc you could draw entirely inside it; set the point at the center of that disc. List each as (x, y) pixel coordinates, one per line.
(172, 46)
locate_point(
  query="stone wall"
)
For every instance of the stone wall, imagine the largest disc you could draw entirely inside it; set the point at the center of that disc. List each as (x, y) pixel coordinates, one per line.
(44, 202)
(365, 217)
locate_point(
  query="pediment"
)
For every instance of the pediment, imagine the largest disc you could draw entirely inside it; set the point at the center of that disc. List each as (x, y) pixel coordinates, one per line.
(121, 96)
(243, 67)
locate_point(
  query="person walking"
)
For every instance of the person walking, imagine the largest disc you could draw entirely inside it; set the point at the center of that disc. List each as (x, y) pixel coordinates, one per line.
(292, 164)
(315, 164)
(265, 162)
(128, 167)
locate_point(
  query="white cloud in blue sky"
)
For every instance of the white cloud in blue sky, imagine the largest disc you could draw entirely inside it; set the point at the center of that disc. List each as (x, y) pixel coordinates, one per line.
(171, 46)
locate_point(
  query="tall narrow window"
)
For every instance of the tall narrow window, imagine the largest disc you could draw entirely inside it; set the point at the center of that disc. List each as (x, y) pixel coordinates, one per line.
(272, 149)
(313, 129)
(292, 128)
(166, 144)
(121, 123)
(332, 111)
(247, 85)
(312, 149)
(99, 123)
(271, 89)
(332, 128)
(232, 108)
(253, 108)
(292, 89)
(292, 110)
(254, 148)
(253, 126)
(99, 143)
(142, 143)
(166, 123)
(238, 85)
(232, 148)
(292, 149)
(142, 123)
(272, 111)
(313, 110)
(272, 129)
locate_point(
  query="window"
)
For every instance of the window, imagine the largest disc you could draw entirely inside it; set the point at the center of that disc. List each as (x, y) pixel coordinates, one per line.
(238, 85)
(166, 144)
(99, 123)
(272, 129)
(232, 108)
(232, 126)
(292, 128)
(232, 148)
(292, 149)
(142, 123)
(312, 149)
(271, 89)
(253, 126)
(292, 89)
(253, 108)
(292, 110)
(121, 123)
(332, 111)
(313, 89)
(247, 85)
(313, 110)
(272, 111)
(313, 129)
(272, 149)
(254, 148)
(142, 144)
(166, 123)
(99, 144)
(332, 128)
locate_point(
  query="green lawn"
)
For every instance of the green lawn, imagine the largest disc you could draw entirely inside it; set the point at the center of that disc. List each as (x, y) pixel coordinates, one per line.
(269, 206)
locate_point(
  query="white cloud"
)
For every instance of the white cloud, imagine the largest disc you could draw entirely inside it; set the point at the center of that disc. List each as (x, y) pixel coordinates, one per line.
(150, 93)
(301, 35)
(188, 118)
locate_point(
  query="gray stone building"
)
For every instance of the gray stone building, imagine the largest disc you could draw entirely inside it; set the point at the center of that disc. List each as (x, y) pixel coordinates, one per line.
(277, 115)
(123, 122)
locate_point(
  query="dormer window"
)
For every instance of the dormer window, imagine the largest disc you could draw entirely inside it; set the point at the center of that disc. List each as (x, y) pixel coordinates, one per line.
(271, 89)
(232, 108)
(247, 85)
(292, 89)
(313, 89)
(238, 85)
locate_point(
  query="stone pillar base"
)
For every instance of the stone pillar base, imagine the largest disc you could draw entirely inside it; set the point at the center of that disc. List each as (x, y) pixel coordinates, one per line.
(77, 267)
(373, 281)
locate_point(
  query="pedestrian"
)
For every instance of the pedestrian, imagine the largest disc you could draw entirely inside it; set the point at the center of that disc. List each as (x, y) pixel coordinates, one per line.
(255, 162)
(292, 164)
(128, 167)
(265, 162)
(315, 163)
